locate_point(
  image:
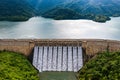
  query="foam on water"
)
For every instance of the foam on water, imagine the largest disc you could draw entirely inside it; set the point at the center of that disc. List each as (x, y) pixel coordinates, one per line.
(58, 58)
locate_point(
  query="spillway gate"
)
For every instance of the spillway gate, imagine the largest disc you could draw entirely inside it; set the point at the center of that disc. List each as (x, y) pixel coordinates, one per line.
(58, 58)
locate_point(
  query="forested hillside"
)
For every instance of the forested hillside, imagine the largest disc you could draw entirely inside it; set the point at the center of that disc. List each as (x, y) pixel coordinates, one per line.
(66, 13)
(105, 66)
(15, 10)
(14, 66)
(102, 7)
(96, 10)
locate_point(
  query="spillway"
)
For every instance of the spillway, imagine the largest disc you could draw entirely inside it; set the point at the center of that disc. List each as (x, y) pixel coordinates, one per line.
(58, 58)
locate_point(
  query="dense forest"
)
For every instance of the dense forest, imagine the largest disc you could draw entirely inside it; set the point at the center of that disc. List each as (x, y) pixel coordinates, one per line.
(105, 66)
(15, 10)
(14, 66)
(62, 13)
(96, 10)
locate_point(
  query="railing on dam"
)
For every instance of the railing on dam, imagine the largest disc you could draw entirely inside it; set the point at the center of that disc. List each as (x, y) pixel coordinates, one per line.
(58, 58)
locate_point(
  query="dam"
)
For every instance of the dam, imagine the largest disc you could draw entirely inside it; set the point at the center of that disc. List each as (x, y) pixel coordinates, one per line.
(90, 48)
(58, 58)
(50, 56)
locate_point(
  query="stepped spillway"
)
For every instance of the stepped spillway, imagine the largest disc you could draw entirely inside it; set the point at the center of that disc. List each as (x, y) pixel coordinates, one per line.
(58, 58)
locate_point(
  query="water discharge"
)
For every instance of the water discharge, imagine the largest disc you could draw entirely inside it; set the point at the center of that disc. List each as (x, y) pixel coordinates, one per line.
(58, 58)
(58, 76)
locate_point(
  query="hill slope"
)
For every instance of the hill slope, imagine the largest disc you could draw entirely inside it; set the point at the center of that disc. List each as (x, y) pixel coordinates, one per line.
(15, 10)
(101, 8)
(14, 66)
(66, 13)
(97, 10)
(105, 66)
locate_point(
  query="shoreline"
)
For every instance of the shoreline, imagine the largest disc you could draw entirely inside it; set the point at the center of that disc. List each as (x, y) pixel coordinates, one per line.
(61, 19)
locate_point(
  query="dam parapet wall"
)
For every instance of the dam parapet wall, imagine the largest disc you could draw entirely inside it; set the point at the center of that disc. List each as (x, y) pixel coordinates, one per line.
(90, 47)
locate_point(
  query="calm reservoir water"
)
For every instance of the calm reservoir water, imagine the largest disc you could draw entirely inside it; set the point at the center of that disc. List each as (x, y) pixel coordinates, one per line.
(42, 28)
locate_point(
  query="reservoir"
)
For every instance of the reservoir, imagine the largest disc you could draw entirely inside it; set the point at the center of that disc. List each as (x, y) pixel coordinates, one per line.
(43, 28)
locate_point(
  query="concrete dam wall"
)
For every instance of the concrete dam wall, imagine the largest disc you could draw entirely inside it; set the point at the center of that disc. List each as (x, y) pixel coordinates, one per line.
(58, 58)
(90, 47)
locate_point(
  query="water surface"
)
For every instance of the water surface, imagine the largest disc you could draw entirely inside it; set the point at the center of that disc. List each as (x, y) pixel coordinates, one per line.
(58, 76)
(42, 28)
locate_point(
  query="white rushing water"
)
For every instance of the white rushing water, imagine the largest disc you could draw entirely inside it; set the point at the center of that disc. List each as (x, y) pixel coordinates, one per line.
(51, 58)
(43, 28)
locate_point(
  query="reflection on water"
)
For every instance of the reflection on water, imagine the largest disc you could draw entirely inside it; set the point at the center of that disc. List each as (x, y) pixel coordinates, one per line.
(42, 28)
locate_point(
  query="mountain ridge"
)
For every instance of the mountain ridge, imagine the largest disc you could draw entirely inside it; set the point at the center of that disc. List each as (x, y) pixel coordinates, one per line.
(66, 13)
(101, 9)
(15, 10)
(96, 10)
